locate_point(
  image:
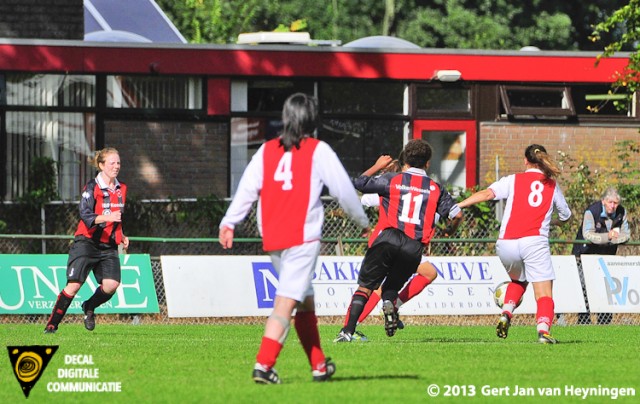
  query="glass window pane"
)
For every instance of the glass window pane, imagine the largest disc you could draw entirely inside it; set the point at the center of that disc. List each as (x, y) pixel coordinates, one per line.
(359, 143)
(150, 92)
(50, 90)
(247, 135)
(66, 138)
(443, 99)
(361, 97)
(270, 95)
(600, 100)
(535, 99)
(448, 163)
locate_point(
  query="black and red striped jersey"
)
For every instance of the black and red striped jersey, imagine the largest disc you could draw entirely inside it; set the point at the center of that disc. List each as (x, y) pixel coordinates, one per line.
(99, 199)
(410, 201)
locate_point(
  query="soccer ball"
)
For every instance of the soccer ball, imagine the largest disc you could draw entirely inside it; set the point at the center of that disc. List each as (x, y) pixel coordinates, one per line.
(499, 293)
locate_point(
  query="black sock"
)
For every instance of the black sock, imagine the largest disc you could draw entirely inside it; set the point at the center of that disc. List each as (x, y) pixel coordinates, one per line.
(60, 308)
(97, 299)
(357, 307)
(389, 295)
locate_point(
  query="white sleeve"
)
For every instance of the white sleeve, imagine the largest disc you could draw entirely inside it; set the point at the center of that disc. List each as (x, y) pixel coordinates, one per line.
(370, 200)
(335, 177)
(564, 213)
(248, 191)
(502, 187)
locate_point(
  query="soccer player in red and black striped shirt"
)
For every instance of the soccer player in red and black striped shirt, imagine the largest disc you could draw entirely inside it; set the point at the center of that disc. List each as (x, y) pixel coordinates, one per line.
(410, 201)
(95, 246)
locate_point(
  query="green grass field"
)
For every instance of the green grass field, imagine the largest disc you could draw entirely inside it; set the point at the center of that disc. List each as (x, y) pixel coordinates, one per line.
(213, 363)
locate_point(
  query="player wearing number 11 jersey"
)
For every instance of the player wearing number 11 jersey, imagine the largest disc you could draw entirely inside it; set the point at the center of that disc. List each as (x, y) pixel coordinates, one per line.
(523, 244)
(409, 203)
(286, 175)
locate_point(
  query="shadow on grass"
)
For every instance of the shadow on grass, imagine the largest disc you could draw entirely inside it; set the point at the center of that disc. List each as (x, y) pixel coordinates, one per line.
(447, 340)
(374, 377)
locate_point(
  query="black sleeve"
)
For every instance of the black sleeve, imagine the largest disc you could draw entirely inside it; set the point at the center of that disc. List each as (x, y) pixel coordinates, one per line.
(374, 185)
(87, 206)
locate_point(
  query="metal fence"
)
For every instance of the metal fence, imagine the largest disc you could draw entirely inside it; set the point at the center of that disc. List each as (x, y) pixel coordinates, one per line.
(186, 228)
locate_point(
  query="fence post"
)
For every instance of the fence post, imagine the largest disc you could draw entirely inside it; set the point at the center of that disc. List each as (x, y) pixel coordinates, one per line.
(43, 229)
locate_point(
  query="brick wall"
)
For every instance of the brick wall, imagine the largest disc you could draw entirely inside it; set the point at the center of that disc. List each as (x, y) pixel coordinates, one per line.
(171, 159)
(42, 19)
(507, 141)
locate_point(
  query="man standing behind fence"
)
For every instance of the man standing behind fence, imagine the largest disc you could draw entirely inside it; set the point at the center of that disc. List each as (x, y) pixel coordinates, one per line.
(287, 175)
(604, 226)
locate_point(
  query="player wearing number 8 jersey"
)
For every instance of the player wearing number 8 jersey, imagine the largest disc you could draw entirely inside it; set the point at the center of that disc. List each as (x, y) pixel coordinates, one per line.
(286, 175)
(523, 243)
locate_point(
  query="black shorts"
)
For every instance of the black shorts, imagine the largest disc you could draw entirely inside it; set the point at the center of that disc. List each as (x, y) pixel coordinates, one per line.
(85, 256)
(394, 256)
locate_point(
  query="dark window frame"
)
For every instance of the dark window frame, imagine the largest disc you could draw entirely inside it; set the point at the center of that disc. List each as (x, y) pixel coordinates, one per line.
(515, 111)
(440, 113)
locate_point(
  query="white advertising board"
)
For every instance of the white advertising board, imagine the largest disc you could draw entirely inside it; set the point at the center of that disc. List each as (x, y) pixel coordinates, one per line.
(223, 286)
(612, 283)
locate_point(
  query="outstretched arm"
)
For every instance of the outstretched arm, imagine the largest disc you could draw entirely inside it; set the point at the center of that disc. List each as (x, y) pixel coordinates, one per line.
(454, 223)
(480, 196)
(383, 162)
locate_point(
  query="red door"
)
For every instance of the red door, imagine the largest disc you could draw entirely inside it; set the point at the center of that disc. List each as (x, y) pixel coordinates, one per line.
(454, 150)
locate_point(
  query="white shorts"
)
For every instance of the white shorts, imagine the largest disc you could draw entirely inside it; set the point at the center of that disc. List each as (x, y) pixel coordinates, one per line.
(527, 259)
(295, 268)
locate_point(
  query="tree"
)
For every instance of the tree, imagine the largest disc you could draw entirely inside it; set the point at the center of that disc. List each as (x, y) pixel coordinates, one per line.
(213, 21)
(479, 24)
(626, 22)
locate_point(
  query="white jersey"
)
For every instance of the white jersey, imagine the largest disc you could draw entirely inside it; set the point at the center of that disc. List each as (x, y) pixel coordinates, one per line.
(290, 211)
(531, 199)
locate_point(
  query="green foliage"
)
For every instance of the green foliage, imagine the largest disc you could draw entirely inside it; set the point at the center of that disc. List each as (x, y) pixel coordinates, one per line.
(582, 185)
(42, 186)
(485, 25)
(176, 218)
(209, 209)
(502, 24)
(625, 21)
(213, 21)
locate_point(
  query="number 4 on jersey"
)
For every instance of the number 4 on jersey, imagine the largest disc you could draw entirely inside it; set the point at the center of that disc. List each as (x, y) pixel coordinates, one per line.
(283, 172)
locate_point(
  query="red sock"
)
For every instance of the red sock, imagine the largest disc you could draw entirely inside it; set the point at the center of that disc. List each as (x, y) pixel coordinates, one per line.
(545, 311)
(413, 288)
(306, 324)
(368, 308)
(514, 293)
(268, 353)
(346, 317)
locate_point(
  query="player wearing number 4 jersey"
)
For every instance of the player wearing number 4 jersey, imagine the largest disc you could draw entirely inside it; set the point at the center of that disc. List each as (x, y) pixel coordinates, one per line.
(286, 175)
(523, 244)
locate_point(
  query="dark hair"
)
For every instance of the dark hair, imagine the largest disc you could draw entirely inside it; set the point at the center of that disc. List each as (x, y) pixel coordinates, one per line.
(300, 119)
(417, 153)
(537, 154)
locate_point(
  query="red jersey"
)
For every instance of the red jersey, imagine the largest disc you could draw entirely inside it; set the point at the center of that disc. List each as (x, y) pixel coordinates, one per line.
(99, 199)
(531, 198)
(283, 206)
(288, 186)
(410, 201)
